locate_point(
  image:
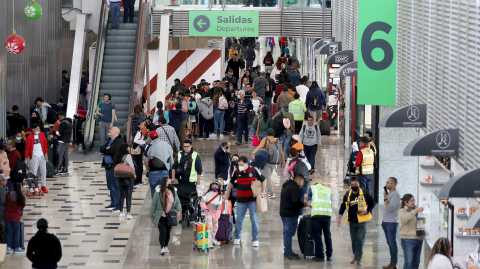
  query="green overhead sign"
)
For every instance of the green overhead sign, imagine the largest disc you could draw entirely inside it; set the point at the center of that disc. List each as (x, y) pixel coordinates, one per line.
(223, 23)
(377, 52)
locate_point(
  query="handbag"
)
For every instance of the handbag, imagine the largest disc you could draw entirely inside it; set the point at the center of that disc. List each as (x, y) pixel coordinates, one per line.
(256, 138)
(175, 152)
(123, 170)
(3, 252)
(172, 219)
(262, 204)
(256, 186)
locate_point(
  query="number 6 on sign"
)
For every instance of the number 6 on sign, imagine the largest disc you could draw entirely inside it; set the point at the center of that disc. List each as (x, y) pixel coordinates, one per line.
(369, 45)
(377, 46)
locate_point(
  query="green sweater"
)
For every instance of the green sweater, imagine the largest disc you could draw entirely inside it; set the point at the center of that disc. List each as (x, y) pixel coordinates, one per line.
(156, 209)
(264, 126)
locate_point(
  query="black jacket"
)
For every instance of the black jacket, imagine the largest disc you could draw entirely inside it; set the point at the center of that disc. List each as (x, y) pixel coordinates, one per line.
(65, 129)
(235, 65)
(84, 85)
(353, 208)
(290, 202)
(17, 122)
(222, 162)
(64, 91)
(113, 148)
(44, 250)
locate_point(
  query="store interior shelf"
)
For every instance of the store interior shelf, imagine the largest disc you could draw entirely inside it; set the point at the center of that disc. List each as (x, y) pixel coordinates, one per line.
(462, 216)
(432, 184)
(437, 163)
(467, 236)
(431, 166)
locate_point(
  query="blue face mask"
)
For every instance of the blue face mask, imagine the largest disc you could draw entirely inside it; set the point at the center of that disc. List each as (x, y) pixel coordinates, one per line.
(238, 96)
(37, 133)
(18, 138)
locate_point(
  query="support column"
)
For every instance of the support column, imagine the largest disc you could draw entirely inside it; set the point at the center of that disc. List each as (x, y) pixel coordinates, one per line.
(77, 61)
(161, 91)
(348, 105)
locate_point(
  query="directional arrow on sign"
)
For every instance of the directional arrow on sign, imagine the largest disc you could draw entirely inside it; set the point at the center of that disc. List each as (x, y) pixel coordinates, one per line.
(201, 23)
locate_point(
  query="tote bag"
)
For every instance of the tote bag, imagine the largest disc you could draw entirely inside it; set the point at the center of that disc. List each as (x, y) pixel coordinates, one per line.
(261, 204)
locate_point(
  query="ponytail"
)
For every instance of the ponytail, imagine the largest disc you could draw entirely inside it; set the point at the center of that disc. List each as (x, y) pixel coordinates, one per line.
(406, 198)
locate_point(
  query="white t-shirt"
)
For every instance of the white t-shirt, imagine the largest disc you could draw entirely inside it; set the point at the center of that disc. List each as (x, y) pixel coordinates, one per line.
(37, 147)
(302, 90)
(440, 261)
(256, 105)
(198, 96)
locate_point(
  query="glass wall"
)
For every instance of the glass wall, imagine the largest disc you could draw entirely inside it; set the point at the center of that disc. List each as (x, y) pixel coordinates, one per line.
(246, 3)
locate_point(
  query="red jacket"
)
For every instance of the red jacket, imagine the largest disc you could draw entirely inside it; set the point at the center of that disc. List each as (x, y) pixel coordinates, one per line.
(13, 211)
(31, 142)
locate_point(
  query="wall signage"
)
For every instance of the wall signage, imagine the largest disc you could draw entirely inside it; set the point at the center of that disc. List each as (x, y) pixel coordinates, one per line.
(439, 143)
(223, 23)
(347, 70)
(408, 116)
(466, 185)
(377, 37)
(341, 57)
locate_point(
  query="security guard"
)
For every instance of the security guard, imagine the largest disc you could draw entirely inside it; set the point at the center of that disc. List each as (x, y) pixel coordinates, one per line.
(371, 144)
(297, 108)
(364, 164)
(359, 205)
(320, 199)
(188, 167)
(240, 116)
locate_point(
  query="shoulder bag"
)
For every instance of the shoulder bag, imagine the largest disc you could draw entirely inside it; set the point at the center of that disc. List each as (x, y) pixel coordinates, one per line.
(172, 215)
(123, 170)
(256, 138)
(175, 152)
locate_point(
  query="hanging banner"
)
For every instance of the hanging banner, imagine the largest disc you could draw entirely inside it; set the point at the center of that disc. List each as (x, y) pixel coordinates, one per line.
(223, 23)
(377, 47)
(408, 116)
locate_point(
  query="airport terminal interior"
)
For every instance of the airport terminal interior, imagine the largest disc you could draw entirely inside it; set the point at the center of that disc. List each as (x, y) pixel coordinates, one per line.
(373, 104)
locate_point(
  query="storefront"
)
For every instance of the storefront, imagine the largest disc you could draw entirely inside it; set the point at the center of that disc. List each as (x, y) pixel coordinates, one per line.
(347, 75)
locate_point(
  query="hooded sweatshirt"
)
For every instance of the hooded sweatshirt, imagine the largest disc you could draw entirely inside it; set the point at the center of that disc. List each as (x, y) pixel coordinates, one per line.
(44, 250)
(43, 111)
(65, 131)
(205, 108)
(176, 117)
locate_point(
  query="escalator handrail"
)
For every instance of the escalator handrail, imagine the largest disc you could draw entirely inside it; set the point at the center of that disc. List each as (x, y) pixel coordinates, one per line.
(89, 130)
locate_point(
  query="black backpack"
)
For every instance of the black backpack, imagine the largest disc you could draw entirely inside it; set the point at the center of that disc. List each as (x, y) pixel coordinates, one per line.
(316, 100)
(20, 172)
(51, 116)
(278, 125)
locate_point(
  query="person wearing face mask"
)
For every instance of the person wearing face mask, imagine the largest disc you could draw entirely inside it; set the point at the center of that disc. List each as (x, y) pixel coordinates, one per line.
(411, 231)
(359, 205)
(19, 142)
(37, 149)
(222, 158)
(212, 204)
(243, 177)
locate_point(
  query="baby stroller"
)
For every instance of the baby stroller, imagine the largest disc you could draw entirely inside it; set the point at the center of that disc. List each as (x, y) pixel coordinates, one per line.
(190, 201)
(351, 165)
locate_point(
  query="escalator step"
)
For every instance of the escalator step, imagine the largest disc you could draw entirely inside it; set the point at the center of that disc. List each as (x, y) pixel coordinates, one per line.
(117, 65)
(109, 39)
(116, 58)
(116, 72)
(117, 79)
(120, 52)
(120, 45)
(119, 32)
(119, 93)
(125, 26)
(114, 85)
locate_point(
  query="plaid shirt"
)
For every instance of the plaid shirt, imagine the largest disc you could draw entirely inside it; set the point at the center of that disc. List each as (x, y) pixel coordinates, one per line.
(171, 133)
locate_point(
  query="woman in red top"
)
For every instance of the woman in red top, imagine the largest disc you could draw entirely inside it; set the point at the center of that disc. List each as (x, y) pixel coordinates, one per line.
(268, 61)
(13, 212)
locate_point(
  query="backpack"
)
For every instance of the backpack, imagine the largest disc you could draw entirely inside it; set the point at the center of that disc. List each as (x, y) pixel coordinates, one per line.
(316, 100)
(223, 104)
(278, 125)
(273, 153)
(192, 108)
(242, 64)
(51, 116)
(316, 130)
(300, 168)
(20, 171)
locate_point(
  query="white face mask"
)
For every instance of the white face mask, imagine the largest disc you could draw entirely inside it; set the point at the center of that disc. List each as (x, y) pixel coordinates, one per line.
(241, 168)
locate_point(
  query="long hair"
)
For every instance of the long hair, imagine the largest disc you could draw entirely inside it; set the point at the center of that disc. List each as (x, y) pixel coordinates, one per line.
(294, 153)
(122, 151)
(137, 128)
(245, 75)
(20, 198)
(160, 108)
(163, 190)
(232, 169)
(442, 247)
(406, 198)
(289, 61)
(265, 114)
(269, 54)
(210, 190)
(137, 109)
(278, 64)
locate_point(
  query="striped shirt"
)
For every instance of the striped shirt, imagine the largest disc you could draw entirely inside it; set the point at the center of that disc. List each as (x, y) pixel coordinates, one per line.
(244, 180)
(240, 106)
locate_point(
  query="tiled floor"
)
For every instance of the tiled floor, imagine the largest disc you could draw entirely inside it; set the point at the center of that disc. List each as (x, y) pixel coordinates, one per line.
(92, 237)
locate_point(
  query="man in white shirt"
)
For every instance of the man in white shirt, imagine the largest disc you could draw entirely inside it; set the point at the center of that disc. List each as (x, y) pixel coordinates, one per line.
(302, 90)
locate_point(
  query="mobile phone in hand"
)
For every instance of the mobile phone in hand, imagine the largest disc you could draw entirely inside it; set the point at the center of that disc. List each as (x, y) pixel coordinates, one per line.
(385, 188)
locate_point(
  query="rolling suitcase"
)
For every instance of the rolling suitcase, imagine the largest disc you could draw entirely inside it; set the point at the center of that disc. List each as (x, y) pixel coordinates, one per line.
(225, 224)
(305, 237)
(325, 127)
(201, 236)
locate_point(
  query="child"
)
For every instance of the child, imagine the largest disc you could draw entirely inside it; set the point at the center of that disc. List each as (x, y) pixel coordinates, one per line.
(212, 203)
(32, 182)
(13, 212)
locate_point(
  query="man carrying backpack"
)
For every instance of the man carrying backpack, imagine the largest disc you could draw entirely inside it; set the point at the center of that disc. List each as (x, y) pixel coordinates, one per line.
(311, 138)
(283, 125)
(275, 156)
(316, 102)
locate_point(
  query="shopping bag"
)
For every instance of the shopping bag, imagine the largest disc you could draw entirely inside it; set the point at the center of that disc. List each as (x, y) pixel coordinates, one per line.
(3, 252)
(261, 204)
(256, 188)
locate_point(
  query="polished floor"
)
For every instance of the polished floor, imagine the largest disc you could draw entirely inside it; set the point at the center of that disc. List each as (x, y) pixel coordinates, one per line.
(93, 237)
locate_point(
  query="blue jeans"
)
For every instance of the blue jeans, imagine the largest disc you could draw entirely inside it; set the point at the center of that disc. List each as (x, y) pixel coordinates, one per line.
(241, 211)
(289, 229)
(249, 64)
(357, 235)
(12, 234)
(310, 152)
(115, 11)
(285, 138)
(412, 249)
(390, 229)
(218, 118)
(45, 132)
(242, 123)
(365, 182)
(154, 178)
(268, 101)
(112, 185)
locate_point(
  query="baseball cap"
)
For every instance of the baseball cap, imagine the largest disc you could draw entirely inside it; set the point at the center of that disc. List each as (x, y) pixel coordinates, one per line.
(153, 134)
(231, 84)
(230, 70)
(3, 177)
(206, 83)
(298, 146)
(294, 68)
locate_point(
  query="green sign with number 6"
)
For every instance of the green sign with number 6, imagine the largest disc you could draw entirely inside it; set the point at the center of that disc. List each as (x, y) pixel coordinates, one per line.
(377, 50)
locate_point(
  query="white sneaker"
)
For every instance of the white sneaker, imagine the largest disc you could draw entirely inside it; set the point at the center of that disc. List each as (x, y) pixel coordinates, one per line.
(236, 242)
(271, 196)
(199, 138)
(31, 190)
(221, 136)
(122, 215)
(166, 250)
(255, 244)
(129, 217)
(213, 135)
(162, 252)
(211, 245)
(216, 242)
(37, 190)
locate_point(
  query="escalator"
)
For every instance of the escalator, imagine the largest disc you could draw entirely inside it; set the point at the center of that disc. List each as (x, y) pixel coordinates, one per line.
(115, 63)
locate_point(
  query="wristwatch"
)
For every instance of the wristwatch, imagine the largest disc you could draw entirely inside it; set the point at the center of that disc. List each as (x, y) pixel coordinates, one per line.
(385, 200)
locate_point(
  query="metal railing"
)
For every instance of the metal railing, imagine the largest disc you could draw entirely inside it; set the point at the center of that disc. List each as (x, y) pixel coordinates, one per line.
(89, 129)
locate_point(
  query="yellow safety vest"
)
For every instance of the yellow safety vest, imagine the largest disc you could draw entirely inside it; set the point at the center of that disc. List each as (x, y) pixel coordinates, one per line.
(297, 108)
(193, 172)
(368, 158)
(371, 144)
(321, 200)
(362, 206)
